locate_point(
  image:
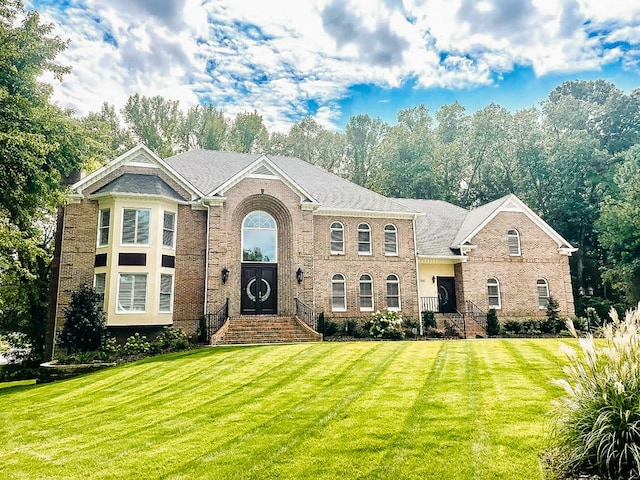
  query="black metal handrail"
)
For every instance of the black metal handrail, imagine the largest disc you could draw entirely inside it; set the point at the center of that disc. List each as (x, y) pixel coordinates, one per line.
(457, 319)
(216, 320)
(477, 314)
(307, 315)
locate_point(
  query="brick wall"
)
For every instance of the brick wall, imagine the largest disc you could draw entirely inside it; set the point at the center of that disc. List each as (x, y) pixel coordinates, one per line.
(79, 234)
(517, 275)
(352, 265)
(191, 242)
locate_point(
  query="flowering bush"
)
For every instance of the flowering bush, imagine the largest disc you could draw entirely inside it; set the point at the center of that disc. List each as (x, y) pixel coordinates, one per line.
(386, 325)
(599, 420)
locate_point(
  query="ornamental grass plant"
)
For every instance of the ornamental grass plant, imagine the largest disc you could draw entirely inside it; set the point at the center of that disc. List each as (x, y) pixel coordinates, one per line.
(598, 429)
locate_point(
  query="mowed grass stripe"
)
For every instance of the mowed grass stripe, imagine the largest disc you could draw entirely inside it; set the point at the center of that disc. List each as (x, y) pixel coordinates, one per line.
(449, 409)
(309, 409)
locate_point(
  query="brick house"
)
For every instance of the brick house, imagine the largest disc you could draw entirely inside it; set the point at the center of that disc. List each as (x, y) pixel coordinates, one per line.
(168, 241)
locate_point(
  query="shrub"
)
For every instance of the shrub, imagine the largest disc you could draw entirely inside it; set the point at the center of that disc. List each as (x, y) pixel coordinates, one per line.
(553, 322)
(84, 328)
(493, 325)
(170, 339)
(386, 325)
(532, 327)
(330, 327)
(512, 326)
(598, 429)
(136, 345)
(410, 327)
(202, 329)
(429, 319)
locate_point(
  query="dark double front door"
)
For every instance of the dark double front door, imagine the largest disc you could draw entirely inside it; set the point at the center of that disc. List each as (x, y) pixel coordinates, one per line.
(259, 293)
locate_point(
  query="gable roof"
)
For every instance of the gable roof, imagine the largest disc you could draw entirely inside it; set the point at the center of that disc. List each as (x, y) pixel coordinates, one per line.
(445, 228)
(139, 184)
(213, 172)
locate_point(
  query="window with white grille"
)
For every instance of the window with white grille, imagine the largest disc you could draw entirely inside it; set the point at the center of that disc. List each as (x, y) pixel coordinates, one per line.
(166, 293)
(366, 293)
(169, 230)
(390, 240)
(493, 293)
(393, 292)
(513, 239)
(338, 293)
(132, 292)
(337, 238)
(135, 226)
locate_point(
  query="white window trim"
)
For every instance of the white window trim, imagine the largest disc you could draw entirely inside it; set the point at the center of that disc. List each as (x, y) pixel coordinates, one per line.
(104, 293)
(397, 281)
(497, 285)
(546, 285)
(515, 236)
(344, 286)
(101, 228)
(170, 310)
(368, 230)
(372, 307)
(173, 230)
(331, 230)
(119, 311)
(395, 232)
(136, 244)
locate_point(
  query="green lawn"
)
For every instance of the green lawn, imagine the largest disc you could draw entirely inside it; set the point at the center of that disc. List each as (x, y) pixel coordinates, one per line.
(387, 410)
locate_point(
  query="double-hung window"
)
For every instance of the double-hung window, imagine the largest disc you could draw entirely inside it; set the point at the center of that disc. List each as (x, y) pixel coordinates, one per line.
(99, 285)
(166, 293)
(493, 293)
(135, 226)
(543, 293)
(337, 238)
(338, 293)
(390, 240)
(132, 292)
(364, 239)
(366, 293)
(169, 230)
(104, 222)
(393, 292)
(513, 240)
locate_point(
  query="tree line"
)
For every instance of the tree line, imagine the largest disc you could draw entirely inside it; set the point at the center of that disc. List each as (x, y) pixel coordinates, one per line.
(574, 159)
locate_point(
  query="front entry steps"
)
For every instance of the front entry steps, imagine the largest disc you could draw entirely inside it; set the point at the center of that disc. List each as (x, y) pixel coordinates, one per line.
(256, 329)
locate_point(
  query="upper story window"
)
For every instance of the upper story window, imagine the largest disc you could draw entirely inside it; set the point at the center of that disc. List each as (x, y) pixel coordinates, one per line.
(543, 293)
(259, 238)
(390, 240)
(169, 230)
(366, 293)
(337, 238)
(135, 226)
(338, 293)
(513, 240)
(393, 292)
(132, 292)
(493, 293)
(104, 222)
(364, 239)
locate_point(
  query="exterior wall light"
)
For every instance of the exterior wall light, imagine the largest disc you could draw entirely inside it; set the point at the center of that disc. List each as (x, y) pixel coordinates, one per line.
(433, 279)
(224, 274)
(299, 275)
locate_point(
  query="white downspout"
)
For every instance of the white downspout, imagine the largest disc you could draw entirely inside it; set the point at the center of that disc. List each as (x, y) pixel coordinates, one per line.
(415, 253)
(206, 262)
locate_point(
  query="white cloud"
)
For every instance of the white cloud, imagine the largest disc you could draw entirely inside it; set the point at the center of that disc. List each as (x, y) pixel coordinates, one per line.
(279, 57)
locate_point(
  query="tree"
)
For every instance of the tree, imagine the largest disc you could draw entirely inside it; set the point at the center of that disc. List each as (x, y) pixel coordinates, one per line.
(204, 127)
(85, 328)
(40, 144)
(363, 135)
(156, 122)
(248, 133)
(619, 228)
(106, 132)
(493, 325)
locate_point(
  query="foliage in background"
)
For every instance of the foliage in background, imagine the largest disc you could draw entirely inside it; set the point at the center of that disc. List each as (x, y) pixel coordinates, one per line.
(598, 429)
(84, 328)
(387, 324)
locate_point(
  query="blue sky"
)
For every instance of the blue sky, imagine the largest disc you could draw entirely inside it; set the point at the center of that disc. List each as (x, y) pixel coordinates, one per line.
(332, 59)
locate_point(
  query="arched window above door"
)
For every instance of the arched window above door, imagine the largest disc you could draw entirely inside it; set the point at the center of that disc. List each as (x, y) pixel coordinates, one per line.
(259, 238)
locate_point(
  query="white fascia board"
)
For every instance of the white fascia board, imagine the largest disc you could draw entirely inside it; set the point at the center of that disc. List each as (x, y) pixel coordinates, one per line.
(520, 206)
(338, 212)
(245, 172)
(102, 172)
(441, 259)
(144, 196)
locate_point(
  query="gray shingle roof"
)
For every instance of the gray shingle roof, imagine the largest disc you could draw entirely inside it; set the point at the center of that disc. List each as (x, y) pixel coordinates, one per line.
(140, 185)
(437, 228)
(207, 170)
